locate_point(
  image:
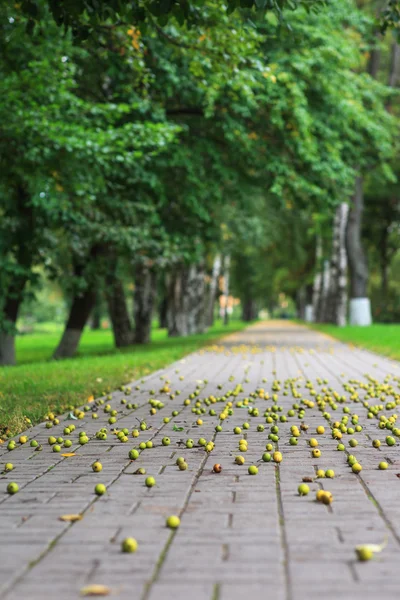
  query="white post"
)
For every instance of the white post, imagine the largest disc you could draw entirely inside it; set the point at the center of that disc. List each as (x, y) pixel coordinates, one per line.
(360, 311)
(309, 313)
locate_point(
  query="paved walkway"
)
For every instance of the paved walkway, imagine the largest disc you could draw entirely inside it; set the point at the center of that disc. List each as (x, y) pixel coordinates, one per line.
(240, 536)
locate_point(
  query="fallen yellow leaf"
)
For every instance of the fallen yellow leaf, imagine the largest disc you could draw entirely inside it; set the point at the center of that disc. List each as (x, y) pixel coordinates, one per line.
(91, 398)
(71, 518)
(95, 590)
(68, 454)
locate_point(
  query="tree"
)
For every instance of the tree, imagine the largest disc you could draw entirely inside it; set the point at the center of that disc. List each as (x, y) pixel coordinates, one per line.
(364, 141)
(159, 149)
(336, 310)
(86, 17)
(360, 311)
(29, 150)
(69, 174)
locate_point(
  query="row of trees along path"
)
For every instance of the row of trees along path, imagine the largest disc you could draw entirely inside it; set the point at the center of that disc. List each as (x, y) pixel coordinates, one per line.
(162, 143)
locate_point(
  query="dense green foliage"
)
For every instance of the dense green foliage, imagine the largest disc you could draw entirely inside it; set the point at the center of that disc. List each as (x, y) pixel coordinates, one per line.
(85, 17)
(390, 17)
(179, 131)
(321, 135)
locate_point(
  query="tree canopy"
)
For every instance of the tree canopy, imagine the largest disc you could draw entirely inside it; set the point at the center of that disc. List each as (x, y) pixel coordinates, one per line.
(85, 16)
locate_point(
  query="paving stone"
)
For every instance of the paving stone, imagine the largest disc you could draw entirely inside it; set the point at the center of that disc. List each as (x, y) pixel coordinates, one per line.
(240, 536)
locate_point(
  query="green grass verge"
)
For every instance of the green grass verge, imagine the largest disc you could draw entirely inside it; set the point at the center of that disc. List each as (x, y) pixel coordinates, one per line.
(383, 339)
(38, 347)
(39, 385)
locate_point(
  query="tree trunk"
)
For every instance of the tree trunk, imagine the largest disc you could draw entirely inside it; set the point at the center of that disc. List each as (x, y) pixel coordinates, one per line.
(337, 297)
(227, 265)
(81, 307)
(374, 59)
(163, 313)
(340, 315)
(196, 291)
(357, 259)
(186, 301)
(177, 323)
(163, 300)
(144, 297)
(212, 291)
(13, 291)
(10, 312)
(7, 348)
(324, 298)
(96, 320)
(301, 303)
(317, 287)
(308, 312)
(384, 263)
(360, 308)
(7, 336)
(385, 281)
(95, 323)
(249, 310)
(118, 311)
(394, 65)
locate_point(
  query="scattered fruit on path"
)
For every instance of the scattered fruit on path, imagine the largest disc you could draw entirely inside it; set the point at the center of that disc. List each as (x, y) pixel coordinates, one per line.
(100, 489)
(12, 488)
(129, 545)
(173, 522)
(303, 489)
(324, 496)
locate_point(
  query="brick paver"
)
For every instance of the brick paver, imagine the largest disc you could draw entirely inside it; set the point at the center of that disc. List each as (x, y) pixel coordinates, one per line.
(240, 536)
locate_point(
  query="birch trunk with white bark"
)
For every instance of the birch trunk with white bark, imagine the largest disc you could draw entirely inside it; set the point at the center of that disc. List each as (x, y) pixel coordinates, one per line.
(227, 266)
(212, 290)
(360, 306)
(337, 297)
(316, 296)
(186, 301)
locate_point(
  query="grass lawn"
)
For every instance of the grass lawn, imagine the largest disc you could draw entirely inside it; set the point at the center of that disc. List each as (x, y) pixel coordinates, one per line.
(383, 339)
(39, 346)
(37, 385)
